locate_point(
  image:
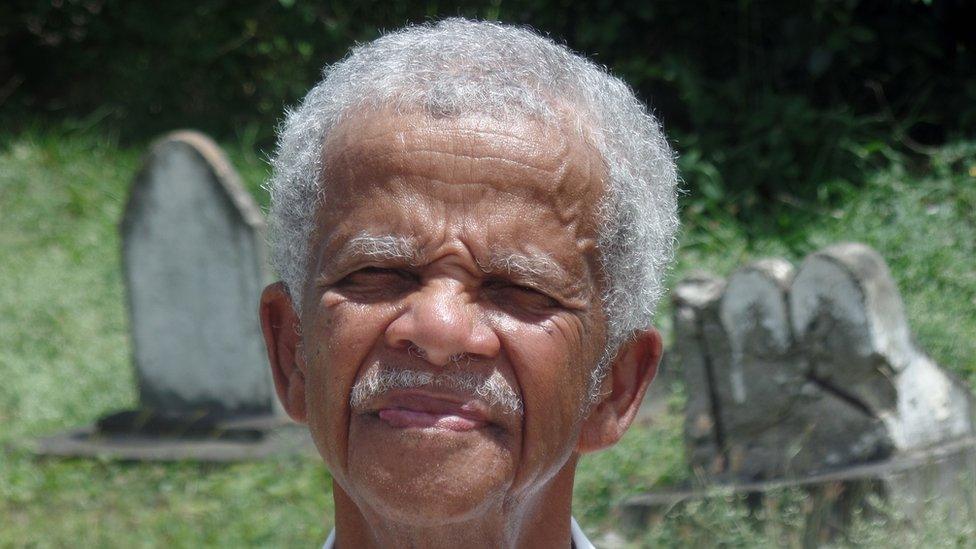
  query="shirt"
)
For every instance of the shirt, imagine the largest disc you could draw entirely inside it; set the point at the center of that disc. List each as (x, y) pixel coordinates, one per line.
(578, 538)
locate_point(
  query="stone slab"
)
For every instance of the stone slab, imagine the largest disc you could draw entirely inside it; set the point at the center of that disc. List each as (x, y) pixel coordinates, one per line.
(194, 264)
(265, 437)
(694, 298)
(776, 418)
(849, 320)
(850, 323)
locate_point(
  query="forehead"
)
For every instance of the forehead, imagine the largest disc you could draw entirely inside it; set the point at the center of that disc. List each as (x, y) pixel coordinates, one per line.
(519, 156)
(510, 183)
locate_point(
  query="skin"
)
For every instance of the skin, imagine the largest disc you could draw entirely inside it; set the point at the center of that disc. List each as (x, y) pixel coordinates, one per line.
(461, 195)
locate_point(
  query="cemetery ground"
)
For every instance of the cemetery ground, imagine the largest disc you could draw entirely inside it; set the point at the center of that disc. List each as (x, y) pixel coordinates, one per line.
(65, 359)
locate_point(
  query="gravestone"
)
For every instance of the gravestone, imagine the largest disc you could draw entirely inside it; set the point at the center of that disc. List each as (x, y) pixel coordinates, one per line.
(694, 298)
(194, 268)
(803, 372)
(850, 322)
(809, 377)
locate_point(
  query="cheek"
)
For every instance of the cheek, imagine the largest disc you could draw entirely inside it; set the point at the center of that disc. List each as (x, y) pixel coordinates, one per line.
(552, 360)
(339, 342)
(552, 368)
(575, 342)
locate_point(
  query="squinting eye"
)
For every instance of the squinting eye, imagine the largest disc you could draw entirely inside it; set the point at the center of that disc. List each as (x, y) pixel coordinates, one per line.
(372, 275)
(524, 298)
(376, 283)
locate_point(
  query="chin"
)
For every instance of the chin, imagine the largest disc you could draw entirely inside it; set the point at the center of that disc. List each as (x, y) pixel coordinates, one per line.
(426, 477)
(424, 509)
(432, 496)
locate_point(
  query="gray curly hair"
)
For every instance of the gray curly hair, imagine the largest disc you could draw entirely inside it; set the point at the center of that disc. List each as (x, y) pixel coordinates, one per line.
(455, 67)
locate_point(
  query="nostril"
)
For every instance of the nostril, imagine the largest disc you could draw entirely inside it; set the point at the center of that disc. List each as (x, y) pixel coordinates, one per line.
(415, 351)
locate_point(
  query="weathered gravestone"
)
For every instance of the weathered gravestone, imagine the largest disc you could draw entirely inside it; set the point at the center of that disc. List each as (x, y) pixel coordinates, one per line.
(809, 378)
(194, 264)
(796, 373)
(194, 267)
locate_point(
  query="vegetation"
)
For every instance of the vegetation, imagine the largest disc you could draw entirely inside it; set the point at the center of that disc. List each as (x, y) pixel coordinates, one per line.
(65, 360)
(766, 101)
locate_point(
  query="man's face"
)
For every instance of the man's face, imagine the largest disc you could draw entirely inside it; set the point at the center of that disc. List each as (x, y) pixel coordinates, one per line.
(452, 245)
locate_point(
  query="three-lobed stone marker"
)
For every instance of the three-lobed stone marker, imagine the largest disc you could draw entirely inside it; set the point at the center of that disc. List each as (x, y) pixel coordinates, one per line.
(790, 373)
(194, 263)
(808, 377)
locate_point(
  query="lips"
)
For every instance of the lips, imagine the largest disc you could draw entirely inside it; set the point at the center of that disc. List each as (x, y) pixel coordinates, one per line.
(414, 409)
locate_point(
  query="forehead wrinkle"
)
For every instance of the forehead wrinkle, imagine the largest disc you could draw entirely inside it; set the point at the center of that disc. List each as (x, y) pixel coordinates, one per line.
(555, 155)
(455, 132)
(359, 141)
(402, 166)
(375, 128)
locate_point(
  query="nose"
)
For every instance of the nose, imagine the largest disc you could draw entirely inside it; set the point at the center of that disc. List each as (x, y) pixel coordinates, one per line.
(442, 321)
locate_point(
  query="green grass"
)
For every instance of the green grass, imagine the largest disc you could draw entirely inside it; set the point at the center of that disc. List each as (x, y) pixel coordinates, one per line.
(65, 358)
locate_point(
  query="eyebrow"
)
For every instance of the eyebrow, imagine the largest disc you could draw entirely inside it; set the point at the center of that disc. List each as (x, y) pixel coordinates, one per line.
(523, 266)
(378, 247)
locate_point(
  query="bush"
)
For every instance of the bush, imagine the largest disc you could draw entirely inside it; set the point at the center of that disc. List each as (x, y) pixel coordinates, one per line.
(765, 100)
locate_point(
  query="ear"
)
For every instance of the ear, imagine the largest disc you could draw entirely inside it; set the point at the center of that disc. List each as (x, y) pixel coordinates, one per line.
(282, 336)
(622, 391)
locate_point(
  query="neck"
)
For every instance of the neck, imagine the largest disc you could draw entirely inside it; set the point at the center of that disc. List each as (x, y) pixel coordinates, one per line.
(539, 519)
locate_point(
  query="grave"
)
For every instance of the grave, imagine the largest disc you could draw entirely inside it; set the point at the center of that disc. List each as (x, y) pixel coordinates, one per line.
(809, 377)
(194, 266)
(193, 258)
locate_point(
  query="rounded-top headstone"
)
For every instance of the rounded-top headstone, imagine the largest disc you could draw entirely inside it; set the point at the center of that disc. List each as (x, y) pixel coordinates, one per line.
(754, 315)
(848, 317)
(194, 262)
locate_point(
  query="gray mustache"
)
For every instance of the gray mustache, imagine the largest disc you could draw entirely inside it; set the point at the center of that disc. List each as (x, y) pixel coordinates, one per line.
(490, 388)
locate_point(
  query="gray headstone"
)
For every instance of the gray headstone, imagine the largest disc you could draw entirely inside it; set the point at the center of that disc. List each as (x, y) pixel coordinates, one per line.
(790, 375)
(194, 262)
(759, 366)
(778, 420)
(851, 323)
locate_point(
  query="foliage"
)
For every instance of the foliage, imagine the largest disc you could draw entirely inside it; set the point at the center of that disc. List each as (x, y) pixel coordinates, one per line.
(766, 101)
(65, 359)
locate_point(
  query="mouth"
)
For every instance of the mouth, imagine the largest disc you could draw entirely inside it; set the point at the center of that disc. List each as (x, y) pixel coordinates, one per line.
(415, 409)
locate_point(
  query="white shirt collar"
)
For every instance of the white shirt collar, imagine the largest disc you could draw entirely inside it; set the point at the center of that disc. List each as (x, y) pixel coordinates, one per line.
(579, 538)
(580, 541)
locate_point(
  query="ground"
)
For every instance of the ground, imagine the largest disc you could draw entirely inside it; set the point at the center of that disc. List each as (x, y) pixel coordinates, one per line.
(65, 358)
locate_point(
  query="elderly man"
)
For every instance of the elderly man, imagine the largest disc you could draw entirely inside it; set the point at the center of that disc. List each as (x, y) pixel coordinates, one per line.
(471, 224)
